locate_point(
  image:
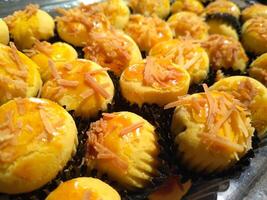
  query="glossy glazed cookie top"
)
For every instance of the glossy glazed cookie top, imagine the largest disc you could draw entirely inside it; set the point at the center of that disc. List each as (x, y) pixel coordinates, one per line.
(186, 54)
(255, 10)
(188, 25)
(19, 76)
(156, 73)
(257, 25)
(112, 49)
(194, 6)
(19, 133)
(37, 138)
(116, 11)
(30, 24)
(75, 24)
(58, 52)
(81, 85)
(147, 31)
(161, 8)
(84, 188)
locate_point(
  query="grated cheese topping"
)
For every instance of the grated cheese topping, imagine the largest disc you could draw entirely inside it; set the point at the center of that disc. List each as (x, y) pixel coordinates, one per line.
(15, 56)
(28, 12)
(258, 25)
(188, 26)
(147, 31)
(109, 49)
(90, 20)
(49, 128)
(221, 111)
(131, 128)
(42, 47)
(259, 73)
(160, 72)
(224, 51)
(96, 150)
(67, 83)
(96, 86)
(245, 92)
(53, 69)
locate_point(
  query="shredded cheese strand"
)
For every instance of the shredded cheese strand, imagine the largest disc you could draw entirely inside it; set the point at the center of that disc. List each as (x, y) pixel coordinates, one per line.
(95, 86)
(67, 83)
(131, 128)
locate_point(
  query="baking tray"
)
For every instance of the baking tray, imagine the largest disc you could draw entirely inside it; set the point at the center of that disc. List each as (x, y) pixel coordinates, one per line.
(250, 184)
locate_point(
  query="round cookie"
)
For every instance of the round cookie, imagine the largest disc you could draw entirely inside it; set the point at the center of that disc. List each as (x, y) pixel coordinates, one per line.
(251, 93)
(254, 35)
(37, 25)
(212, 131)
(154, 80)
(161, 8)
(19, 76)
(194, 6)
(188, 25)
(84, 188)
(258, 69)
(75, 24)
(255, 10)
(124, 146)
(116, 11)
(81, 86)
(4, 32)
(139, 26)
(225, 52)
(186, 54)
(58, 52)
(114, 50)
(37, 139)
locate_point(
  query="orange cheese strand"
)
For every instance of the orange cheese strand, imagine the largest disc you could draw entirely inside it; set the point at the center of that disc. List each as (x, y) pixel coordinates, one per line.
(86, 195)
(15, 56)
(155, 73)
(95, 86)
(29, 11)
(21, 74)
(87, 94)
(47, 124)
(67, 83)
(53, 69)
(223, 142)
(95, 146)
(212, 106)
(219, 124)
(180, 101)
(43, 47)
(191, 62)
(105, 153)
(131, 128)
